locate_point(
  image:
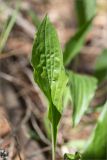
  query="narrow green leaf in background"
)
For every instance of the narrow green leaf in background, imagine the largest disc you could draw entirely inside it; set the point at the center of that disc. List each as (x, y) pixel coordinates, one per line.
(101, 66)
(85, 10)
(49, 72)
(97, 144)
(7, 29)
(74, 45)
(82, 91)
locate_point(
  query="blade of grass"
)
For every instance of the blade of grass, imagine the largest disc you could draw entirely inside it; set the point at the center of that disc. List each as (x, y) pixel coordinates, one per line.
(7, 29)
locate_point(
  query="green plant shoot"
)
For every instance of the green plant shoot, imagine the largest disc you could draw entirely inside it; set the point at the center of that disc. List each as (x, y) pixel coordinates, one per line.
(49, 72)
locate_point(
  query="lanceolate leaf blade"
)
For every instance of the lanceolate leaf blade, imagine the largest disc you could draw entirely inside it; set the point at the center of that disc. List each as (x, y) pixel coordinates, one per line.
(82, 91)
(97, 144)
(76, 42)
(49, 73)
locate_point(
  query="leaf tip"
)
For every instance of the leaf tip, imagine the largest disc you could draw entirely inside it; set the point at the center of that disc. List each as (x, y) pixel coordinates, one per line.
(46, 18)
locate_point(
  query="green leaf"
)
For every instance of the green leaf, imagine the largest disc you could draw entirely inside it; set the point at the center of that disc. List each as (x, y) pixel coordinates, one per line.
(85, 10)
(69, 157)
(101, 66)
(76, 42)
(82, 91)
(97, 145)
(49, 72)
(76, 156)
